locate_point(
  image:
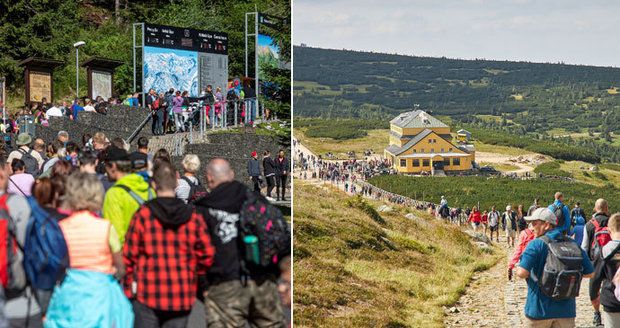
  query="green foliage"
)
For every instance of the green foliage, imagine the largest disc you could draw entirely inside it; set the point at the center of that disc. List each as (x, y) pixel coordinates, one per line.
(49, 28)
(468, 191)
(372, 85)
(551, 169)
(552, 148)
(599, 175)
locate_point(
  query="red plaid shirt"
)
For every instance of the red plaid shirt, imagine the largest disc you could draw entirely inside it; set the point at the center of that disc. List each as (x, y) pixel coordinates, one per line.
(165, 263)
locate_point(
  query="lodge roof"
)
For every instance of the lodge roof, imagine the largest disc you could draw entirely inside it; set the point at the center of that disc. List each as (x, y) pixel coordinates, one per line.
(417, 119)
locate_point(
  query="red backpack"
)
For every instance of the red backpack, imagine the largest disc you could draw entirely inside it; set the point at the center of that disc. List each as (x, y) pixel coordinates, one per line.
(155, 104)
(601, 238)
(12, 275)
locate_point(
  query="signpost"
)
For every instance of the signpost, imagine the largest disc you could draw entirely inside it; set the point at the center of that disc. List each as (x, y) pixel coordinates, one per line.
(100, 76)
(38, 74)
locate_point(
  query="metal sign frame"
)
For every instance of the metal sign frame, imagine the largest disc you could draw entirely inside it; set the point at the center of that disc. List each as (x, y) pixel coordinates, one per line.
(255, 35)
(140, 26)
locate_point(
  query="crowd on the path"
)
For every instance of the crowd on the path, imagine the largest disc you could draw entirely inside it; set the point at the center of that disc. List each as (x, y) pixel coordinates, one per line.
(554, 249)
(97, 236)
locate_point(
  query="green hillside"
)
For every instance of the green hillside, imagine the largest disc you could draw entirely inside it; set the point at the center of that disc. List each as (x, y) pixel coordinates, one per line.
(356, 267)
(339, 83)
(469, 191)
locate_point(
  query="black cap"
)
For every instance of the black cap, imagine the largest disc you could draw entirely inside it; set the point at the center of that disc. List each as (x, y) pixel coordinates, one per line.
(114, 154)
(138, 160)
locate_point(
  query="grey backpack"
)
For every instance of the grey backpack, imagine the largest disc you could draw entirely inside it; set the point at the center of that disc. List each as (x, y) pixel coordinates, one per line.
(562, 274)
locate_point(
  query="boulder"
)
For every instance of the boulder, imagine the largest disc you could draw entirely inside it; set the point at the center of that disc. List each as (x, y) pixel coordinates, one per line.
(384, 208)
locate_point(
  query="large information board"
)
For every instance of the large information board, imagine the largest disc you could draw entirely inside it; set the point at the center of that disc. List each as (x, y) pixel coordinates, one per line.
(184, 59)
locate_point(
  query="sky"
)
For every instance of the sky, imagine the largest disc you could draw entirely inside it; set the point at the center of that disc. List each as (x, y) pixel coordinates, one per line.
(568, 31)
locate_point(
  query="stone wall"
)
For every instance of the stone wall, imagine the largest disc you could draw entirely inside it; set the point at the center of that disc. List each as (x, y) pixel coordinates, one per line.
(236, 148)
(120, 121)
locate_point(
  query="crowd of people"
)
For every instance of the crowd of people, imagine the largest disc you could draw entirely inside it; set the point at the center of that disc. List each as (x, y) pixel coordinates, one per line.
(97, 236)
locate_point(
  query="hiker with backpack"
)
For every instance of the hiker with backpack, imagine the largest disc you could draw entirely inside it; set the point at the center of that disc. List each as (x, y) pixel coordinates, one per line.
(595, 237)
(509, 223)
(577, 231)
(607, 275)
(20, 182)
(577, 211)
(89, 295)
(561, 212)
(20, 307)
(494, 223)
(45, 249)
(188, 186)
(233, 296)
(553, 266)
(525, 237)
(31, 158)
(521, 223)
(128, 193)
(161, 275)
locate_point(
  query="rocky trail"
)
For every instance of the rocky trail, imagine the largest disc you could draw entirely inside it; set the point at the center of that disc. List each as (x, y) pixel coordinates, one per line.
(491, 300)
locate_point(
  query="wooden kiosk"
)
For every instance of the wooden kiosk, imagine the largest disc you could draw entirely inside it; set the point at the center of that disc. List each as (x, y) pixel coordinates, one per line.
(39, 78)
(100, 76)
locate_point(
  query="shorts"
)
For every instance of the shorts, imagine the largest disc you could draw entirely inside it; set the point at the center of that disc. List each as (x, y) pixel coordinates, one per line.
(494, 228)
(610, 319)
(550, 323)
(510, 233)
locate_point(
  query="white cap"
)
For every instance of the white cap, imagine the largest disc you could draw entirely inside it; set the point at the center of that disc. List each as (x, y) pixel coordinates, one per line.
(543, 214)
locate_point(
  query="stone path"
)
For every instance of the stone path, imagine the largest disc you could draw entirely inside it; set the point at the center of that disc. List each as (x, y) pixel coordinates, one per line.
(491, 300)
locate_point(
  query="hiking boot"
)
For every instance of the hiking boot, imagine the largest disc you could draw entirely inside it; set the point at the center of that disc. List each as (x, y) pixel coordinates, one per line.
(597, 319)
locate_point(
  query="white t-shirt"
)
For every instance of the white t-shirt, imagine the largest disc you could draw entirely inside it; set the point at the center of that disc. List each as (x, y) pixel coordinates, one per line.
(54, 111)
(183, 188)
(89, 108)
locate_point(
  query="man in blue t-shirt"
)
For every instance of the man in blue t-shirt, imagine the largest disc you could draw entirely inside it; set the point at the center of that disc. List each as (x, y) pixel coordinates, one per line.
(564, 224)
(541, 310)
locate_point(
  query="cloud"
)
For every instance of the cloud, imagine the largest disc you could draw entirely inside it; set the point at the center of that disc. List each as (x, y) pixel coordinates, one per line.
(572, 31)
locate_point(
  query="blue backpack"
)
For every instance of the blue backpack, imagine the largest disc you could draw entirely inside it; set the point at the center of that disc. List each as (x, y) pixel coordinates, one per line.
(45, 253)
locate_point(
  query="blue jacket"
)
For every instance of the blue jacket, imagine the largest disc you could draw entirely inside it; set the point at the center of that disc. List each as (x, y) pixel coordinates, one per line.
(75, 109)
(565, 214)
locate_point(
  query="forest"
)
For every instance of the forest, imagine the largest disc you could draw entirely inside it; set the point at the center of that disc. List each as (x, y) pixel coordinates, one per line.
(344, 83)
(48, 28)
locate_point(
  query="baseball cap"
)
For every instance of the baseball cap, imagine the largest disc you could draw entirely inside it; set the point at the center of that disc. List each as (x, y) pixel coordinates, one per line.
(543, 214)
(138, 160)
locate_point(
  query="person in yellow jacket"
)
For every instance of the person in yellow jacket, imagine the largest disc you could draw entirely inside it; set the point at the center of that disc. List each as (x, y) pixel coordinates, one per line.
(127, 194)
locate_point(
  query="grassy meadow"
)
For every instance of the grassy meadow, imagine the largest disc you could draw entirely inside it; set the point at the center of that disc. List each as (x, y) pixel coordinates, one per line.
(355, 267)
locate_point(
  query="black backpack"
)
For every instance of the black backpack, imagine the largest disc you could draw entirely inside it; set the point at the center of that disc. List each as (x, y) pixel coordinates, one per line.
(32, 165)
(559, 214)
(260, 219)
(563, 269)
(196, 190)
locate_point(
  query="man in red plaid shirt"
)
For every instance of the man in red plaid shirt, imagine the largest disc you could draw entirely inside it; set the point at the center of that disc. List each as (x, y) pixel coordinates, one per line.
(167, 247)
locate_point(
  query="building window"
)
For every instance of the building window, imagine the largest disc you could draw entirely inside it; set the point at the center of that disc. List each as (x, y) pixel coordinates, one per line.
(449, 149)
(442, 150)
(426, 162)
(416, 163)
(432, 150)
(415, 151)
(446, 162)
(456, 161)
(430, 140)
(403, 163)
(422, 150)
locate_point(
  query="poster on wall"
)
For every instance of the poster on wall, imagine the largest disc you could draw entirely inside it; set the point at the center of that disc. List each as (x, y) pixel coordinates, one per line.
(101, 84)
(170, 68)
(40, 86)
(268, 54)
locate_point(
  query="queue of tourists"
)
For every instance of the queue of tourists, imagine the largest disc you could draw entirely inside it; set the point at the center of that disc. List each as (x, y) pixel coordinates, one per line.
(97, 236)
